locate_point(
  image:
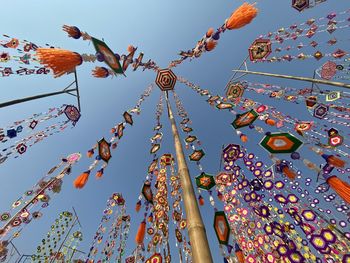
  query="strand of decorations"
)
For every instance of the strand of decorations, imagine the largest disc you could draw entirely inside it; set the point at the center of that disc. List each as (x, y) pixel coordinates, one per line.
(299, 29)
(261, 48)
(23, 71)
(20, 214)
(242, 16)
(146, 191)
(72, 244)
(302, 5)
(113, 218)
(180, 222)
(26, 127)
(51, 246)
(103, 147)
(62, 61)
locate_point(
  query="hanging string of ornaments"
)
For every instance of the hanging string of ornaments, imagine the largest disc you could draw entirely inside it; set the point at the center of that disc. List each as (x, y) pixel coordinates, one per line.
(28, 128)
(264, 46)
(112, 233)
(21, 213)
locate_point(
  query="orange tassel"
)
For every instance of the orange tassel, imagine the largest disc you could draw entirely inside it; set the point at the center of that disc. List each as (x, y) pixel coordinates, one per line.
(90, 153)
(81, 180)
(239, 254)
(138, 206)
(72, 31)
(340, 187)
(99, 173)
(140, 236)
(244, 138)
(242, 16)
(113, 130)
(100, 72)
(288, 172)
(210, 32)
(210, 45)
(335, 161)
(270, 122)
(150, 218)
(59, 60)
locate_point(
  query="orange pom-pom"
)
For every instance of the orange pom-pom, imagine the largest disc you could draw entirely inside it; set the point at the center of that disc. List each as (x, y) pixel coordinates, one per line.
(210, 45)
(131, 48)
(59, 60)
(340, 187)
(140, 236)
(100, 72)
(242, 16)
(81, 180)
(210, 32)
(270, 122)
(113, 130)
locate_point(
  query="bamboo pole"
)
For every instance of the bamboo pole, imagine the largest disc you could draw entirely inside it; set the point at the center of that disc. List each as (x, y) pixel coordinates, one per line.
(196, 230)
(320, 81)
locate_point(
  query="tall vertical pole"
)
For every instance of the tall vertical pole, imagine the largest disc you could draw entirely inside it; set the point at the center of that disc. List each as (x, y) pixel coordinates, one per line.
(196, 230)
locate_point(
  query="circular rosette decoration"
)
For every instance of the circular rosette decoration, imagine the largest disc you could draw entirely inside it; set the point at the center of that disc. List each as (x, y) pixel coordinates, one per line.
(166, 79)
(72, 113)
(280, 143)
(155, 258)
(205, 181)
(260, 49)
(329, 69)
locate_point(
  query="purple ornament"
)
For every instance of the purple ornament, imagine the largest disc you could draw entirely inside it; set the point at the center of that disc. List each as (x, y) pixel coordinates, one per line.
(295, 156)
(100, 57)
(331, 15)
(216, 35)
(117, 56)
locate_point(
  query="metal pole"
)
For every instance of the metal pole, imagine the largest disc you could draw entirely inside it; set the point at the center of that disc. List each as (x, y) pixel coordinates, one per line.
(196, 230)
(13, 102)
(320, 81)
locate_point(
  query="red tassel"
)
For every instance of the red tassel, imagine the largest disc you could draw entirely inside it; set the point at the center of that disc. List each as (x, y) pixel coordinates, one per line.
(242, 16)
(340, 187)
(100, 72)
(81, 180)
(140, 236)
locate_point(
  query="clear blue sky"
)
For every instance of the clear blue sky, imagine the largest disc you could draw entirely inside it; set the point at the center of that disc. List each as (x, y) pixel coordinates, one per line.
(159, 29)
